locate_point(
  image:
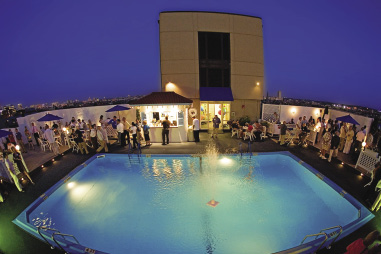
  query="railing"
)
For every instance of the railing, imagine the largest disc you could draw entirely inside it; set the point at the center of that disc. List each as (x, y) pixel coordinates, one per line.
(43, 237)
(63, 235)
(56, 232)
(139, 150)
(249, 147)
(332, 234)
(325, 239)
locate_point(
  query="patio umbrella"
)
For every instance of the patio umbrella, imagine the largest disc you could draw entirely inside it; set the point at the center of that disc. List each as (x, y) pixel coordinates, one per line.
(48, 118)
(4, 133)
(347, 119)
(118, 108)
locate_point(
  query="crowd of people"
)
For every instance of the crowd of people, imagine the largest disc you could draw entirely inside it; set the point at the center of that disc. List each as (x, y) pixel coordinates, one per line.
(332, 136)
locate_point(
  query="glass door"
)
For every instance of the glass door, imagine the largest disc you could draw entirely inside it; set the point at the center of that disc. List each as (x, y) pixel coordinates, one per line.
(204, 117)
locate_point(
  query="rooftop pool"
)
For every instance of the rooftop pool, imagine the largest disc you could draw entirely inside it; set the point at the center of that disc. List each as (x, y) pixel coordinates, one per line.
(260, 203)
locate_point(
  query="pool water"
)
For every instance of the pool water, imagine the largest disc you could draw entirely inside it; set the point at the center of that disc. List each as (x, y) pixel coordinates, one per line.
(158, 204)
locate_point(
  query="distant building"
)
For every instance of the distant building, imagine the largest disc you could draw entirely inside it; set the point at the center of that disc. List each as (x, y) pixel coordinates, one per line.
(214, 59)
(280, 95)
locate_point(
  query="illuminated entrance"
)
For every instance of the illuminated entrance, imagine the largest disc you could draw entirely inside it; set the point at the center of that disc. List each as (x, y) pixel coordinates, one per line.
(209, 109)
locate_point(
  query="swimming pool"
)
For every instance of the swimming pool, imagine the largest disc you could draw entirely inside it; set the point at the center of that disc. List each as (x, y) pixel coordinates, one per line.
(268, 203)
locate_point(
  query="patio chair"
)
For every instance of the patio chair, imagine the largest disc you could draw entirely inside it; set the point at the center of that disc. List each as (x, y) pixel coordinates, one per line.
(235, 132)
(44, 145)
(249, 134)
(290, 136)
(58, 140)
(74, 145)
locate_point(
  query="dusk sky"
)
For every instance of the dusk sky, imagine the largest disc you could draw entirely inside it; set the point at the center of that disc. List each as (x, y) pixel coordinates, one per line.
(59, 50)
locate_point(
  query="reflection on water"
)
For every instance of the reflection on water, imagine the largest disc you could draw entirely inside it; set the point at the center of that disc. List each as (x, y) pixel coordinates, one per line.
(43, 220)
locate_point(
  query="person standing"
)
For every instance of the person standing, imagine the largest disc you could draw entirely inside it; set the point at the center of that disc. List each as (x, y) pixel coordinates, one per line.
(113, 122)
(103, 128)
(343, 134)
(120, 130)
(19, 163)
(304, 121)
(134, 133)
(101, 139)
(10, 164)
(146, 129)
(35, 133)
(93, 136)
(11, 137)
(318, 129)
(49, 136)
(360, 137)
(29, 137)
(348, 140)
(79, 140)
(126, 129)
(20, 142)
(334, 146)
(216, 126)
(326, 144)
(196, 129)
(283, 132)
(165, 132)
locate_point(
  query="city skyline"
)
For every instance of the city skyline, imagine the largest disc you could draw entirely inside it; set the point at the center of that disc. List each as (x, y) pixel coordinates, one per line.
(318, 51)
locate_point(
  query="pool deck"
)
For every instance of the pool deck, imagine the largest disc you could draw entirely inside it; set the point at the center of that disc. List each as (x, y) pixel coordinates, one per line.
(15, 240)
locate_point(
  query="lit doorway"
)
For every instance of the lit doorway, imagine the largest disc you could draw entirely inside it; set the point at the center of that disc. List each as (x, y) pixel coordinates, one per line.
(209, 110)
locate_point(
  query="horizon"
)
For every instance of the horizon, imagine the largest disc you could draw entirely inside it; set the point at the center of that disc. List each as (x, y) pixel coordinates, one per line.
(315, 51)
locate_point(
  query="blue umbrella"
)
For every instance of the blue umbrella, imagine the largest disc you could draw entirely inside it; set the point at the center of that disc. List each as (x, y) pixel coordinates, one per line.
(4, 133)
(347, 119)
(49, 117)
(118, 108)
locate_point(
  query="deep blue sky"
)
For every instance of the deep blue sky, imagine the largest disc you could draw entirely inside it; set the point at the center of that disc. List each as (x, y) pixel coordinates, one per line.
(58, 50)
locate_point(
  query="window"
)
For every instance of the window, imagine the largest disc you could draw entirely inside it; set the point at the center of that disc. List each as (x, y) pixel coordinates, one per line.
(214, 59)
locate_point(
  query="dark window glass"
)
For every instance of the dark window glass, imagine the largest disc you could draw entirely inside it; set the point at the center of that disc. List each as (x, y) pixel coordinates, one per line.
(202, 45)
(214, 59)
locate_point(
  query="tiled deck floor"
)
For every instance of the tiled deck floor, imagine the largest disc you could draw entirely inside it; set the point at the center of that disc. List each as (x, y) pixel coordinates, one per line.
(15, 240)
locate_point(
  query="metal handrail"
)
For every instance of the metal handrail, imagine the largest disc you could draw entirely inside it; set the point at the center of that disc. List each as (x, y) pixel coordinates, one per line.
(39, 232)
(240, 148)
(249, 147)
(341, 230)
(326, 237)
(58, 233)
(139, 149)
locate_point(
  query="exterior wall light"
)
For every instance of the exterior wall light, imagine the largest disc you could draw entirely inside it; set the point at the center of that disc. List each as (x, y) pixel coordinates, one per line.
(170, 86)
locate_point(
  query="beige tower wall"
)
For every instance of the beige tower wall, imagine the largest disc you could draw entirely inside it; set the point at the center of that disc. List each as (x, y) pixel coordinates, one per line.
(179, 55)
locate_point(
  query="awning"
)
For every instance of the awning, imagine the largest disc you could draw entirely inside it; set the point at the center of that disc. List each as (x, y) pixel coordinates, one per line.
(162, 98)
(216, 94)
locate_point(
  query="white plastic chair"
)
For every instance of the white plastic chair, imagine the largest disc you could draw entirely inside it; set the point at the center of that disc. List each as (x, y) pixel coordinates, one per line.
(290, 136)
(44, 145)
(249, 134)
(74, 145)
(235, 132)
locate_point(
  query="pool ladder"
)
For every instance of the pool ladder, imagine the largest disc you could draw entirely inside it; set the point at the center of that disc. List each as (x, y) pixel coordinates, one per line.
(326, 236)
(56, 233)
(249, 150)
(130, 151)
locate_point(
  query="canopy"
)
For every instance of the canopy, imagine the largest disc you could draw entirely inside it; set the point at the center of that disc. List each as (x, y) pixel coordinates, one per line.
(216, 94)
(4, 133)
(347, 119)
(118, 108)
(48, 118)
